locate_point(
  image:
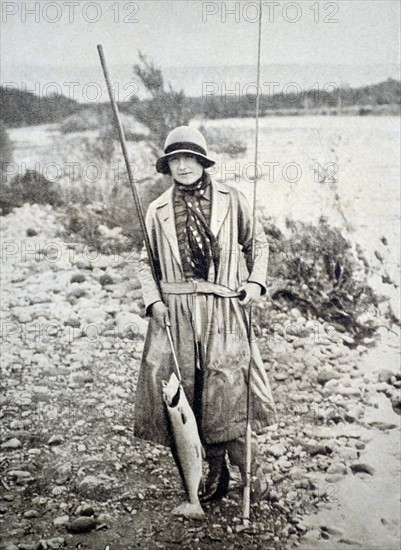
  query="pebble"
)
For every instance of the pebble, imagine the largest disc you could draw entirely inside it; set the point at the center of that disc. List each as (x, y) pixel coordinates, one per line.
(119, 429)
(78, 278)
(85, 510)
(382, 426)
(396, 404)
(354, 413)
(337, 468)
(277, 450)
(75, 294)
(106, 518)
(106, 280)
(59, 490)
(90, 484)
(83, 264)
(385, 375)
(63, 472)
(352, 543)
(300, 344)
(334, 478)
(284, 464)
(311, 536)
(332, 530)
(30, 514)
(20, 475)
(362, 468)
(361, 349)
(56, 439)
(24, 317)
(326, 375)
(319, 449)
(40, 298)
(55, 543)
(61, 520)
(13, 443)
(345, 338)
(81, 525)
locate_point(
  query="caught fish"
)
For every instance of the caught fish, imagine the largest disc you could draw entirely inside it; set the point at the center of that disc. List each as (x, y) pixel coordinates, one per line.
(186, 446)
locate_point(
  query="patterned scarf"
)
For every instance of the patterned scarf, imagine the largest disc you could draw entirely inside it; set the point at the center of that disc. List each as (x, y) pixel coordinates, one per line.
(201, 247)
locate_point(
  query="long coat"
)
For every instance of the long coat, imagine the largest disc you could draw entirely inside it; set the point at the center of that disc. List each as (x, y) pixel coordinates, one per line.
(224, 343)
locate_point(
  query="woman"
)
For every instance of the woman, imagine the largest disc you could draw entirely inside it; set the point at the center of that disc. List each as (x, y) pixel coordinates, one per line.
(201, 237)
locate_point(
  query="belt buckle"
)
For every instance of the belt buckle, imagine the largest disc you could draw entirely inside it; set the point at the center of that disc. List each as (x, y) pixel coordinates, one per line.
(195, 285)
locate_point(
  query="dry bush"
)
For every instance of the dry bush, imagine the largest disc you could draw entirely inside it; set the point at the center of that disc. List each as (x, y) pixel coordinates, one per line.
(32, 188)
(315, 269)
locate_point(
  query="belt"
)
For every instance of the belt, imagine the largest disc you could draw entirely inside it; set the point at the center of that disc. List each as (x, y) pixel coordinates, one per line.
(198, 287)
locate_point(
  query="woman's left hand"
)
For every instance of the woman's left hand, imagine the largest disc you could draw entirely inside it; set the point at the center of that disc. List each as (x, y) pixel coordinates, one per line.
(252, 293)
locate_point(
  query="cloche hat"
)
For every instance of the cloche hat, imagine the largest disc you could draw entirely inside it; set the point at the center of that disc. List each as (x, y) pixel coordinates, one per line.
(184, 139)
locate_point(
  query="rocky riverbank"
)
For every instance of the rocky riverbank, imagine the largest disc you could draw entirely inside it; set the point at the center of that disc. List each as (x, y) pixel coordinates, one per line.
(74, 477)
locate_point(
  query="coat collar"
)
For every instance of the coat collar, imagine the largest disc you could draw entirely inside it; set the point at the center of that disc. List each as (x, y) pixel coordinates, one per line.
(220, 206)
(165, 213)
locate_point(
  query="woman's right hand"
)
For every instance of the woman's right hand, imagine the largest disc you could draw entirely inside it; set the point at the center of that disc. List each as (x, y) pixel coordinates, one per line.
(160, 314)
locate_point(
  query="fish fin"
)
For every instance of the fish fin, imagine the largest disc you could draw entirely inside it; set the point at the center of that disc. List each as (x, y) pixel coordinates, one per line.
(176, 398)
(203, 452)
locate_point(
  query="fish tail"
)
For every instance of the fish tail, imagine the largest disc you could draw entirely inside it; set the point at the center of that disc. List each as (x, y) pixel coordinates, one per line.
(189, 510)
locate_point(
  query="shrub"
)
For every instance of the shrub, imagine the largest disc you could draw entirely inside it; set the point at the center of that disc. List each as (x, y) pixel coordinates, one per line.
(6, 152)
(31, 188)
(315, 269)
(6, 147)
(164, 109)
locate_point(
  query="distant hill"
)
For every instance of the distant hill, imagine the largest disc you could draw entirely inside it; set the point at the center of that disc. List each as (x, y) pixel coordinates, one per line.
(21, 108)
(382, 98)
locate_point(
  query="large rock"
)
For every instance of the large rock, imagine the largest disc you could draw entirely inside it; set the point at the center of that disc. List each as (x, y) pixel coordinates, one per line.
(82, 524)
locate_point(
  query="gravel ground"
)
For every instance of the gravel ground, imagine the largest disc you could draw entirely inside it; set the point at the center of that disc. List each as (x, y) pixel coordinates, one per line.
(72, 474)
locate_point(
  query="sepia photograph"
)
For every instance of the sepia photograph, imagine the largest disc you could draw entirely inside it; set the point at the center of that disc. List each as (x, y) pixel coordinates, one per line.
(200, 275)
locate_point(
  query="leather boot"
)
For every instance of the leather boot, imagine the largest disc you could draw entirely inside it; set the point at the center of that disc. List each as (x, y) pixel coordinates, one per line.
(259, 485)
(218, 478)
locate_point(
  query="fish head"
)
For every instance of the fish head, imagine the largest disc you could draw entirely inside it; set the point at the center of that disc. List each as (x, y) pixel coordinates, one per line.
(171, 390)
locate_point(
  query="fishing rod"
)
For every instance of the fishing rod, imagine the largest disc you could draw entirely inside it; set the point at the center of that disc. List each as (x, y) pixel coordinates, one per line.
(246, 504)
(141, 217)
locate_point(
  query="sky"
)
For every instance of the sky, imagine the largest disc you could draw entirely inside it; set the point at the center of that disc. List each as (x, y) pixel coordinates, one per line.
(63, 34)
(195, 32)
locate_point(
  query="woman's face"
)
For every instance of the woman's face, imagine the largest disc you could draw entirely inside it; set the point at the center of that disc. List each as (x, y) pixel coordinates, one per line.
(185, 168)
